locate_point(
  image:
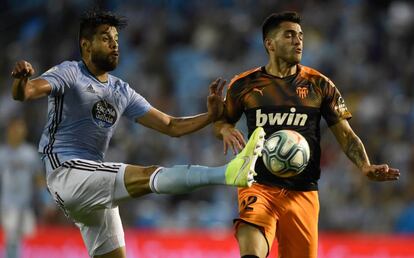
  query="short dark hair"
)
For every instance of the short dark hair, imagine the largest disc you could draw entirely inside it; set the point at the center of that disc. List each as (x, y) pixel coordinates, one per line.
(275, 19)
(92, 19)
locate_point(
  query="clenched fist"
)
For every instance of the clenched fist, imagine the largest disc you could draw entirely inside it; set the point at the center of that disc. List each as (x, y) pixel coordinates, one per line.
(22, 69)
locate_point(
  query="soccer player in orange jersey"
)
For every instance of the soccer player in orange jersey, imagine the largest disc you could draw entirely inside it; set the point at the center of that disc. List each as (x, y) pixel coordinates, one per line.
(286, 95)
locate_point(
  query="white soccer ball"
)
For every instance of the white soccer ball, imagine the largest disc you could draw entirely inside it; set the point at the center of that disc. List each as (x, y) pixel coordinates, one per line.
(286, 153)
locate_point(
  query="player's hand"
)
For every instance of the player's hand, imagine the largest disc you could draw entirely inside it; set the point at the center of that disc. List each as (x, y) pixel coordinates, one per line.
(232, 138)
(381, 172)
(215, 105)
(22, 69)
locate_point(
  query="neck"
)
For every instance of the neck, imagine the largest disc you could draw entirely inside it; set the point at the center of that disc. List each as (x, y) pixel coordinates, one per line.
(279, 68)
(99, 74)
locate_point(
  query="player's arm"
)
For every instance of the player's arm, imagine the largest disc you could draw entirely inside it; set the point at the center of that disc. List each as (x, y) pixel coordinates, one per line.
(231, 136)
(225, 128)
(173, 126)
(353, 147)
(178, 126)
(24, 89)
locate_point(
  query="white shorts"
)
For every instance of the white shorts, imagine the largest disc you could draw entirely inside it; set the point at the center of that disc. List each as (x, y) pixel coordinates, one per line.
(88, 193)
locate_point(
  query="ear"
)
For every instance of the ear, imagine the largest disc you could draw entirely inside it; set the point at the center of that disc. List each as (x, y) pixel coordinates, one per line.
(268, 44)
(85, 45)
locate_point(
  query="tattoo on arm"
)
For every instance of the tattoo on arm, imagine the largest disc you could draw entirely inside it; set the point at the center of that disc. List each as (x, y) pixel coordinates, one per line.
(355, 150)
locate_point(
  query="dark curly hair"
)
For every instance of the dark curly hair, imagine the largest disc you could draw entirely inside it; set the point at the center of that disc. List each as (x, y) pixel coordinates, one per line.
(92, 19)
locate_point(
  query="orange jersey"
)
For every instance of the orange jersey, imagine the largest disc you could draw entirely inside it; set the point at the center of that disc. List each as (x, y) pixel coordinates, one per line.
(296, 102)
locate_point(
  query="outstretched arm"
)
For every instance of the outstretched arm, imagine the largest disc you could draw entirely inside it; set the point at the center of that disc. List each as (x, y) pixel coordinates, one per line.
(24, 89)
(353, 147)
(173, 126)
(178, 126)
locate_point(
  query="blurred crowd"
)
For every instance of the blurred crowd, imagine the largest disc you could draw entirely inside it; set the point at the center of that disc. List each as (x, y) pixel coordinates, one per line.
(170, 52)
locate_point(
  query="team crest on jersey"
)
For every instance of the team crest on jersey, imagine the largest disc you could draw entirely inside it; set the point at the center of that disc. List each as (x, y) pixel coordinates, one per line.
(104, 114)
(302, 92)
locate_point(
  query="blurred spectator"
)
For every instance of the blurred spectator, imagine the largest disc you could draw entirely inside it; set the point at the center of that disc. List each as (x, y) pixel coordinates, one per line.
(19, 167)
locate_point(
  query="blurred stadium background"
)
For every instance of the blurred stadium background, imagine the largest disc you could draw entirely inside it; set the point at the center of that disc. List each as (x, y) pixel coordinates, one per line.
(170, 52)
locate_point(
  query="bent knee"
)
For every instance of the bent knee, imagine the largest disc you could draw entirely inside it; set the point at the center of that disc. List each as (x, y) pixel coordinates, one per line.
(251, 241)
(137, 179)
(117, 253)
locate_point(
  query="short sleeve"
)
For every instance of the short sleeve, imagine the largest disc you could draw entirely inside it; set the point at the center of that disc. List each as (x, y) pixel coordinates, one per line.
(137, 105)
(60, 77)
(333, 107)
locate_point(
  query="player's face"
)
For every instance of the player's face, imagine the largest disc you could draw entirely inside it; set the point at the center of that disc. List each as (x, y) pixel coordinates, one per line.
(287, 42)
(104, 51)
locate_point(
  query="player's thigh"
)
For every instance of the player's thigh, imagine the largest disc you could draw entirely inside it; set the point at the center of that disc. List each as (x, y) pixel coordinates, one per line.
(256, 209)
(102, 231)
(251, 240)
(117, 253)
(79, 186)
(298, 228)
(137, 179)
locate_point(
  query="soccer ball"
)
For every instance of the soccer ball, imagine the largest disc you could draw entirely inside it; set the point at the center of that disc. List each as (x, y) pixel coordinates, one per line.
(286, 153)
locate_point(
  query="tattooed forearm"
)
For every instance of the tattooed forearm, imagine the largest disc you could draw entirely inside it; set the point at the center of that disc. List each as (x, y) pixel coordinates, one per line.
(354, 149)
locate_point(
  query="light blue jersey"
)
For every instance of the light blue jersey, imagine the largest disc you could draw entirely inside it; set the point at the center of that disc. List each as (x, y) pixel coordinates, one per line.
(84, 112)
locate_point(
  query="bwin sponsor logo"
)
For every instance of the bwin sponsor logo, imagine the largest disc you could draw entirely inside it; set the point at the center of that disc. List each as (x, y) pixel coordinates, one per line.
(291, 118)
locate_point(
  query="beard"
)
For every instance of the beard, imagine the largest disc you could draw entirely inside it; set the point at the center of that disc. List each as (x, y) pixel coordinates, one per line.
(288, 55)
(293, 59)
(104, 62)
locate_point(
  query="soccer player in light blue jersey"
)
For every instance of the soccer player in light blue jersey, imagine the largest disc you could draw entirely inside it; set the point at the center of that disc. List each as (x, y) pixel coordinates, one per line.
(85, 104)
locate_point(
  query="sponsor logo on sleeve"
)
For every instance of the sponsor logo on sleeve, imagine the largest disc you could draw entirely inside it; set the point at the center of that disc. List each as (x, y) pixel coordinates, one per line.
(340, 106)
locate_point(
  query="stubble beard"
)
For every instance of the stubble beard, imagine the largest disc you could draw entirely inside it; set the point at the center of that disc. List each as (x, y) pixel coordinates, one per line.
(104, 62)
(293, 60)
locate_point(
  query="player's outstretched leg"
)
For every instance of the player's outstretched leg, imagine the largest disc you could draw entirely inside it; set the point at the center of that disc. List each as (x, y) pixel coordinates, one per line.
(240, 170)
(180, 179)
